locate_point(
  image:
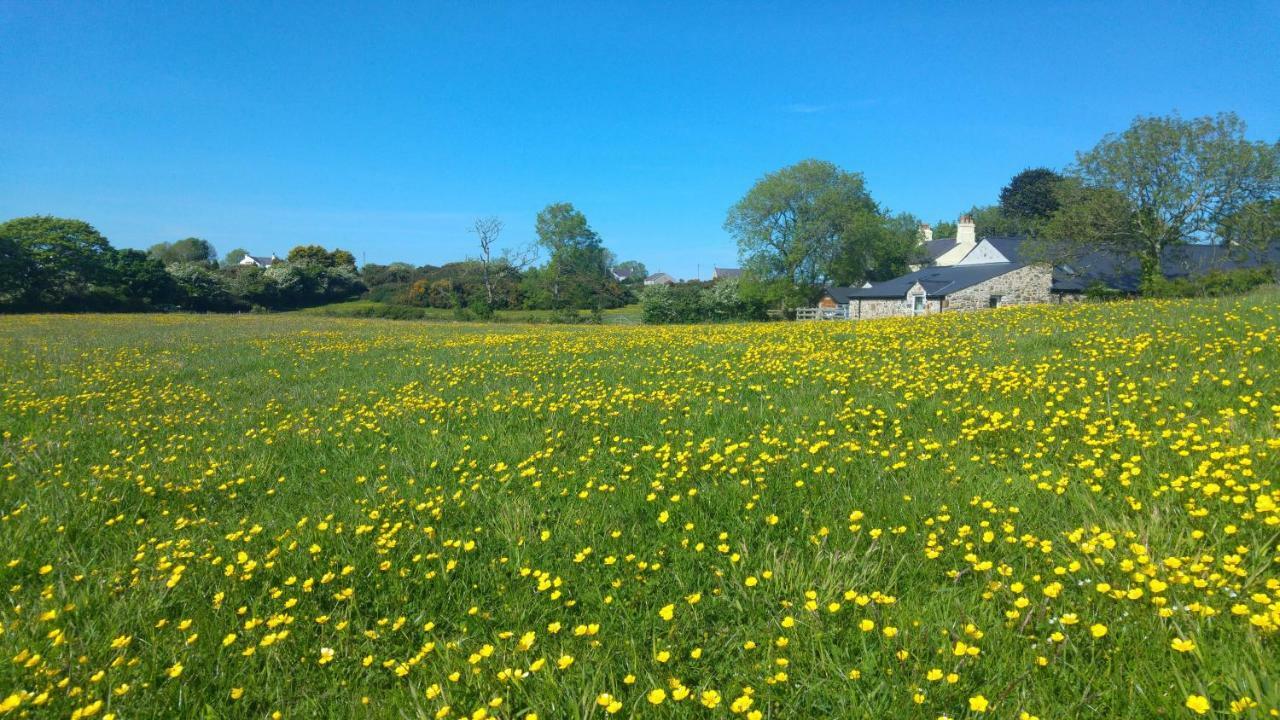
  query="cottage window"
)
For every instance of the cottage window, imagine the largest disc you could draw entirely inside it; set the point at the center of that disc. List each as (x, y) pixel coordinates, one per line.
(994, 301)
(917, 303)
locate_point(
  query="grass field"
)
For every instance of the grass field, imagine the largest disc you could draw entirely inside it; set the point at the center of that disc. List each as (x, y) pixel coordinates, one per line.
(1051, 512)
(628, 315)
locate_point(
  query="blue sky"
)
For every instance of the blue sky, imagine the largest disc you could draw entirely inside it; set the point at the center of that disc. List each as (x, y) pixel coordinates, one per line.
(386, 130)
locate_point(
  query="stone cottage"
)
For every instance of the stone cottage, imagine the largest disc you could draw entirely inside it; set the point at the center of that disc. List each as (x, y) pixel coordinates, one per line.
(992, 273)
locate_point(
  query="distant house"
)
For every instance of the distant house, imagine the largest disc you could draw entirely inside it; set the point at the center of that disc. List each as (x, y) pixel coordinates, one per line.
(660, 279)
(726, 273)
(622, 274)
(258, 261)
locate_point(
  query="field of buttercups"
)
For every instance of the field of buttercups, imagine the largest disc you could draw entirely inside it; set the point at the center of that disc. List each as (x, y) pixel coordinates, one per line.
(1042, 512)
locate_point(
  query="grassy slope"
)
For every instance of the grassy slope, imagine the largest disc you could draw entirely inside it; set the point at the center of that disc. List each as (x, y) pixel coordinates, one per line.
(981, 479)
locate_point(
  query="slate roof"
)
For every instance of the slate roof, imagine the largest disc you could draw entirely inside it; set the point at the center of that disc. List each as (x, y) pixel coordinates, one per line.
(726, 273)
(1124, 274)
(840, 294)
(936, 248)
(936, 281)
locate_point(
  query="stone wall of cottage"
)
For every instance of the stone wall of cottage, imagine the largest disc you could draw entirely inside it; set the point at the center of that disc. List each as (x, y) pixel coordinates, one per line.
(897, 307)
(1024, 286)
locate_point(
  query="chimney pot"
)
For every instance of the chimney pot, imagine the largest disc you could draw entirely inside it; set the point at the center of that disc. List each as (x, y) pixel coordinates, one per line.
(966, 234)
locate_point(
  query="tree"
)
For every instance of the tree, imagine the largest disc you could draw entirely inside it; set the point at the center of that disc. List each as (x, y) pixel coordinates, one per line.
(578, 269)
(1253, 231)
(234, 257)
(59, 260)
(202, 289)
(1031, 195)
(792, 223)
(16, 269)
(340, 258)
(943, 229)
(993, 221)
(487, 231)
(874, 247)
(314, 254)
(1162, 183)
(139, 281)
(186, 250)
(318, 256)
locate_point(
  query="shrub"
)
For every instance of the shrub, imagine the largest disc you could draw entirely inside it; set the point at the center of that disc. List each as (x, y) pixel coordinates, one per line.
(695, 302)
(1216, 283)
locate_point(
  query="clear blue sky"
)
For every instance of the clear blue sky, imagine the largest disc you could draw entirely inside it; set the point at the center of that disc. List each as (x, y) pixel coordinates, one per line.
(385, 131)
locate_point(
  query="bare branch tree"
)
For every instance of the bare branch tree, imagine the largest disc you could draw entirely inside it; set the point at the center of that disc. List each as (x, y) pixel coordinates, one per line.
(487, 230)
(523, 258)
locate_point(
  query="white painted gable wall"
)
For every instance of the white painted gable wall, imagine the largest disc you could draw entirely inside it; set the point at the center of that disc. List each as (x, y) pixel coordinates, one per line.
(983, 254)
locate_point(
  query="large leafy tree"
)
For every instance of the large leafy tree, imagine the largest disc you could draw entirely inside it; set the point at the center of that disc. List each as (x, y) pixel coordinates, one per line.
(58, 261)
(1162, 183)
(1031, 195)
(794, 224)
(1253, 231)
(577, 272)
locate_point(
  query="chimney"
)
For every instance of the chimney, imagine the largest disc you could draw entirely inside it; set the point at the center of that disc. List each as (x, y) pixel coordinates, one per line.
(965, 232)
(926, 233)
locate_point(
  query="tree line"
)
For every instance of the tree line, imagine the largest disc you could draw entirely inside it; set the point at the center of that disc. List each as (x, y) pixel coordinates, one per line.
(1161, 183)
(59, 264)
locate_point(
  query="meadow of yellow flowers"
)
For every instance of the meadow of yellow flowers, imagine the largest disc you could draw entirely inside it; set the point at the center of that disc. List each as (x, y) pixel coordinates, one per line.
(1042, 512)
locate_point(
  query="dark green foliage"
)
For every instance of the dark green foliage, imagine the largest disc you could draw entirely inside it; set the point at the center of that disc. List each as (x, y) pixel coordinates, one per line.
(1030, 195)
(234, 257)
(395, 274)
(577, 274)
(874, 247)
(51, 263)
(139, 282)
(57, 262)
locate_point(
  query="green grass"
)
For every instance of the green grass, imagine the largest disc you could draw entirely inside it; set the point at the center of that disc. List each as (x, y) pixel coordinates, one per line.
(627, 315)
(839, 498)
